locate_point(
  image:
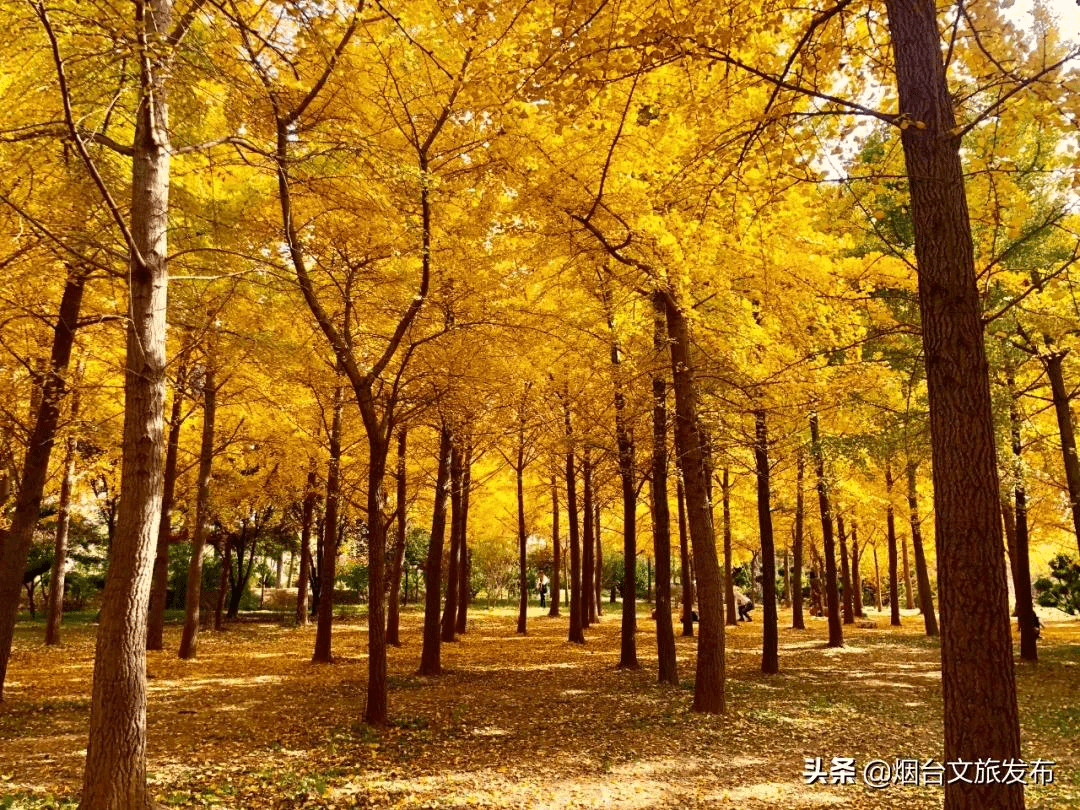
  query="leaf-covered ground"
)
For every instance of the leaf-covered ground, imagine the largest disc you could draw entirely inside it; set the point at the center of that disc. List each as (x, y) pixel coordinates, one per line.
(530, 722)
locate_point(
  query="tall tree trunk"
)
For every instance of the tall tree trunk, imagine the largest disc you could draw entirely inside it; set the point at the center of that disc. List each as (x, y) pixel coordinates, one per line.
(453, 579)
(890, 524)
(598, 563)
(665, 633)
(909, 587)
(223, 582)
(576, 634)
(15, 546)
(556, 550)
(832, 598)
(926, 597)
(523, 583)
(709, 678)
(1009, 519)
(856, 578)
(588, 544)
(978, 681)
(845, 570)
(877, 582)
(55, 603)
(159, 588)
(307, 516)
(625, 444)
(464, 562)
(729, 576)
(376, 709)
(684, 563)
(192, 603)
(1025, 610)
(430, 657)
(797, 620)
(324, 627)
(393, 610)
(770, 661)
(1066, 431)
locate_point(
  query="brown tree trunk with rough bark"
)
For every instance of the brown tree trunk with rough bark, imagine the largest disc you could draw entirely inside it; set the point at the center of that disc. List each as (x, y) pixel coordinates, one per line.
(464, 562)
(453, 579)
(798, 622)
(576, 634)
(1066, 431)
(430, 657)
(832, 598)
(665, 634)
(598, 563)
(523, 582)
(376, 708)
(15, 546)
(709, 678)
(307, 517)
(978, 681)
(856, 577)
(189, 635)
(324, 628)
(926, 596)
(890, 525)
(55, 602)
(770, 660)
(393, 609)
(684, 562)
(729, 577)
(155, 622)
(556, 549)
(588, 544)
(1025, 610)
(845, 570)
(909, 587)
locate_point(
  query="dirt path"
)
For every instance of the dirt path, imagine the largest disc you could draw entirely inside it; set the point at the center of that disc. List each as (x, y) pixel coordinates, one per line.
(528, 722)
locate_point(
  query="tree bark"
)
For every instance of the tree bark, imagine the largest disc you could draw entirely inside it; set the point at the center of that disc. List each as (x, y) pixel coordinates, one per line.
(55, 602)
(430, 657)
(576, 634)
(709, 678)
(393, 610)
(1025, 610)
(856, 578)
(978, 681)
(729, 577)
(464, 562)
(556, 550)
(797, 620)
(307, 517)
(598, 563)
(684, 563)
(155, 623)
(770, 660)
(926, 597)
(523, 583)
(190, 633)
(588, 544)
(453, 579)
(324, 627)
(890, 524)
(15, 546)
(376, 708)
(845, 570)
(1066, 431)
(665, 633)
(832, 598)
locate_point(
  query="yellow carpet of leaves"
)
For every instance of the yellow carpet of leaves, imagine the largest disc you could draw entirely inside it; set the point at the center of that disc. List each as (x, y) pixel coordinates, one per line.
(529, 722)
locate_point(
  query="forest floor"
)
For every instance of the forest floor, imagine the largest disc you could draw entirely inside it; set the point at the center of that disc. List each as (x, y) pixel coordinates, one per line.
(530, 722)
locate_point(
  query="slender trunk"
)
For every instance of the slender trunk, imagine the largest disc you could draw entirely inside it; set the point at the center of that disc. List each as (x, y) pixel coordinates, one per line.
(709, 678)
(978, 680)
(238, 585)
(770, 661)
(328, 564)
(877, 582)
(15, 546)
(665, 633)
(453, 580)
(856, 579)
(556, 550)
(729, 577)
(376, 709)
(55, 603)
(787, 578)
(1066, 431)
(223, 583)
(890, 524)
(625, 444)
(523, 584)
(393, 611)
(1009, 519)
(155, 623)
(464, 563)
(926, 597)
(307, 516)
(797, 620)
(430, 657)
(576, 634)
(598, 563)
(909, 587)
(1025, 610)
(832, 598)
(190, 635)
(684, 563)
(588, 545)
(845, 570)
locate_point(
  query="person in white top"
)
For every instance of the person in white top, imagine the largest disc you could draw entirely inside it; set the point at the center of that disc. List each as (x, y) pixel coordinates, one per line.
(743, 603)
